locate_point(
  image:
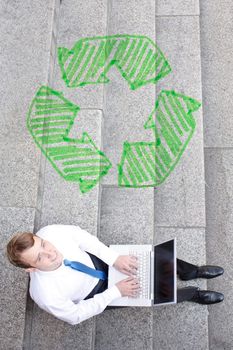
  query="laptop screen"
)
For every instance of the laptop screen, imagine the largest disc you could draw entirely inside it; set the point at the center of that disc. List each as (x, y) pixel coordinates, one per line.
(164, 273)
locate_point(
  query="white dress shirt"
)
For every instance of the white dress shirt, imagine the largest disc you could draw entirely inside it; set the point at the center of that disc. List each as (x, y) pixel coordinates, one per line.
(61, 291)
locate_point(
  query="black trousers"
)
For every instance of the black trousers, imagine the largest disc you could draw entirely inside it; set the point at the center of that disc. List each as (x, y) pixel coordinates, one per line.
(184, 269)
(189, 271)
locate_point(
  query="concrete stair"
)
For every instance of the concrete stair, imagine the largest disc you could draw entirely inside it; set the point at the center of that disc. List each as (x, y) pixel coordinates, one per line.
(26, 33)
(34, 195)
(216, 44)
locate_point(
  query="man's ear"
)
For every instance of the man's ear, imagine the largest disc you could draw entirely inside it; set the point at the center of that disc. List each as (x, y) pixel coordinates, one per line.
(30, 269)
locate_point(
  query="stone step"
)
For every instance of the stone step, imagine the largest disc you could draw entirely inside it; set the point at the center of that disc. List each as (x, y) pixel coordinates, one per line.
(179, 203)
(216, 19)
(126, 110)
(180, 200)
(14, 280)
(80, 20)
(126, 214)
(219, 194)
(62, 201)
(25, 38)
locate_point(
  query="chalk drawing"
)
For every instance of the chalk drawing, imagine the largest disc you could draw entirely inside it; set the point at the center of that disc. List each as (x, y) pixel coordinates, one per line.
(149, 163)
(142, 164)
(50, 119)
(138, 59)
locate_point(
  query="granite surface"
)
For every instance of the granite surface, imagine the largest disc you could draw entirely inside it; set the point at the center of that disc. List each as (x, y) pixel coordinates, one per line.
(14, 280)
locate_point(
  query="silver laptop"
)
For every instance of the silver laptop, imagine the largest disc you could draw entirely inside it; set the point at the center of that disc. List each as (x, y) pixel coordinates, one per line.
(156, 274)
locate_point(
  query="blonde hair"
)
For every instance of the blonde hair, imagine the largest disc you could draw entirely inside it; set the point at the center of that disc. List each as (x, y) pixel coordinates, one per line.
(15, 247)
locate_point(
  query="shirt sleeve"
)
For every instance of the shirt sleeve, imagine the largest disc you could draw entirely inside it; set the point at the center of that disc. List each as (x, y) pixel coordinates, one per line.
(67, 311)
(92, 245)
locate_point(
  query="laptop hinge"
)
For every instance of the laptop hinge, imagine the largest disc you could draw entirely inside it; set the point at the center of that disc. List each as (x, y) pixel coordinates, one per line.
(152, 276)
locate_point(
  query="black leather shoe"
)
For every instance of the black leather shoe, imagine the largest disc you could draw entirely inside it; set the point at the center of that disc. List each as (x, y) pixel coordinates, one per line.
(207, 297)
(208, 271)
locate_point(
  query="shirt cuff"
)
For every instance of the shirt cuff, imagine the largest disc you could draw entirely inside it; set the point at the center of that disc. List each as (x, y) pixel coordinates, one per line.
(110, 256)
(112, 293)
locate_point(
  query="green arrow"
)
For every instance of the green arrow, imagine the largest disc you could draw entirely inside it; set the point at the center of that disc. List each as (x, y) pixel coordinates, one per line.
(49, 121)
(138, 59)
(149, 163)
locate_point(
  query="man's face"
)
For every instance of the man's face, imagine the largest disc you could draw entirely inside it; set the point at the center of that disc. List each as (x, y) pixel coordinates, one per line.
(42, 256)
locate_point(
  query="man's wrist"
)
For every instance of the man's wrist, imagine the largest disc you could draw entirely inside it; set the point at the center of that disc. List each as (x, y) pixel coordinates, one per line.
(116, 292)
(115, 256)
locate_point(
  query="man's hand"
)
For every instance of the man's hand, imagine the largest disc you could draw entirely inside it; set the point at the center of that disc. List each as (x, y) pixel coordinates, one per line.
(128, 287)
(126, 264)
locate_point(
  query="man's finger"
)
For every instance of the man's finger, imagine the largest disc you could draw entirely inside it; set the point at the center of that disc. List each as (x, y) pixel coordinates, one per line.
(136, 287)
(133, 266)
(126, 272)
(129, 272)
(128, 279)
(135, 281)
(133, 257)
(134, 294)
(133, 262)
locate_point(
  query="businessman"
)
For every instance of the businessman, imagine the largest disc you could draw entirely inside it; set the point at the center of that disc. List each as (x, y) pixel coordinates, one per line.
(68, 270)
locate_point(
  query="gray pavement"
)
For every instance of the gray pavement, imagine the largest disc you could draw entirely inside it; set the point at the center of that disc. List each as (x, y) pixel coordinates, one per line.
(194, 203)
(216, 23)
(25, 60)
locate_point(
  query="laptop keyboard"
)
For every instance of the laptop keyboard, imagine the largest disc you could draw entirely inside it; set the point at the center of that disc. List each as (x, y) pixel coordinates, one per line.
(143, 272)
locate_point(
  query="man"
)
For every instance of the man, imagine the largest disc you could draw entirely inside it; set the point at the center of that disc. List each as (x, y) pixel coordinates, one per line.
(74, 296)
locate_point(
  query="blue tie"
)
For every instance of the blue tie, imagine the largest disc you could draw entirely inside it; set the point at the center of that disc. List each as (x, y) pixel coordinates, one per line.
(85, 269)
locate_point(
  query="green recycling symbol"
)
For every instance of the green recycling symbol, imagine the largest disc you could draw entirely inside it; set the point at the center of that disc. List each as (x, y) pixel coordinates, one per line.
(140, 61)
